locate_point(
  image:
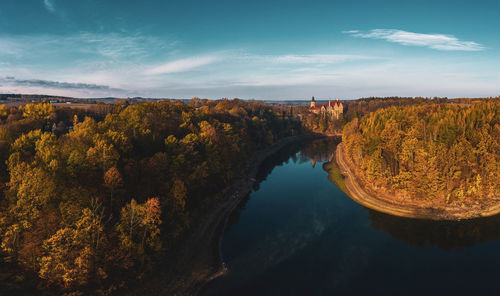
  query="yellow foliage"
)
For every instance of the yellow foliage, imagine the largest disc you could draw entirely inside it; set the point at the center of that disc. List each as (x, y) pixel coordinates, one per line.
(3, 111)
(40, 111)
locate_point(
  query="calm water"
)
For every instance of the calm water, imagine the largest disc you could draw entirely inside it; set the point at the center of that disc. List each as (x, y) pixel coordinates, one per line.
(298, 234)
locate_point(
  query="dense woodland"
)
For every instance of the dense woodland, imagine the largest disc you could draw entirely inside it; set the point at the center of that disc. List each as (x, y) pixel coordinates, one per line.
(359, 108)
(445, 152)
(76, 184)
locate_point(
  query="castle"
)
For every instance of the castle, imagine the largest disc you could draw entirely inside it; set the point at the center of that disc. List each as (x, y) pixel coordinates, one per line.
(334, 109)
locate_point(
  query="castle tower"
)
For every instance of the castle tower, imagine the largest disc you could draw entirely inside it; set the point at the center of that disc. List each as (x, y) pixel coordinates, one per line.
(313, 103)
(338, 108)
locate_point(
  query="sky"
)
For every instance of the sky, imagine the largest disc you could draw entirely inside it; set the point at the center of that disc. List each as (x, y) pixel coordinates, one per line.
(259, 49)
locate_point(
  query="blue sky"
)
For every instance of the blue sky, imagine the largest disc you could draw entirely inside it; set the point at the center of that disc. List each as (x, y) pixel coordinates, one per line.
(250, 49)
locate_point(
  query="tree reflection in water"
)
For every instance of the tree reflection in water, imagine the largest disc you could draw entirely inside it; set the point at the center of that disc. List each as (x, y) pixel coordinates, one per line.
(314, 240)
(318, 150)
(447, 235)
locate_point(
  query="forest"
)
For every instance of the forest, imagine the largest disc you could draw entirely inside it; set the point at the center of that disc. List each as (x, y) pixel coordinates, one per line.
(77, 183)
(445, 152)
(133, 178)
(359, 108)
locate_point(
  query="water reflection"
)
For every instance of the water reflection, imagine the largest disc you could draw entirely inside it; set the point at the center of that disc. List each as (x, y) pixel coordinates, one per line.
(322, 150)
(318, 150)
(300, 235)
(446, 235)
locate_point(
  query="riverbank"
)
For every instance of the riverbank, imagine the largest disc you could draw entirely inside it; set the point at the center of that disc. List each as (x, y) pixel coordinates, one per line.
(200, 260)
(362, 193)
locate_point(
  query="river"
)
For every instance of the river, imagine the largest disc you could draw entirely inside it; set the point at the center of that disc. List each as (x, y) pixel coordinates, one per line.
(297, 233)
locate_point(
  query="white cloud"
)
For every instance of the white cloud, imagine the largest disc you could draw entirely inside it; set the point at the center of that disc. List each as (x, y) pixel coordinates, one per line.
(49, 5)
(287, 80)
(294, 59)
(107, 47)
(116, 60)
(434, 41)
(316, 58)
(350, 31)
(93, 65)
(182, 65)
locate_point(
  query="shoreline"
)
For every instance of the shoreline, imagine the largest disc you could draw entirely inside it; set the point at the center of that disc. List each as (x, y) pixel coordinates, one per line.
(195, 267)
(365, 197)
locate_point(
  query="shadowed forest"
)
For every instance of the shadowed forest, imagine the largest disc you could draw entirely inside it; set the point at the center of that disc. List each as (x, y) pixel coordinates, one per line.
(79, 183)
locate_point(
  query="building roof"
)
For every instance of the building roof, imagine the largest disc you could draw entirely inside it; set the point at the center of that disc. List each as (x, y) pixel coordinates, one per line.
(329, 104)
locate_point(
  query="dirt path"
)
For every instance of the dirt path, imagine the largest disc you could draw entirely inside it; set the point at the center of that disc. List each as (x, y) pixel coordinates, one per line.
(360, 195)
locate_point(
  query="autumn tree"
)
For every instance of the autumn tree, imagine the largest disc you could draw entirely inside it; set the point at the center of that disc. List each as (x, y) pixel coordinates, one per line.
(139, 229)
(72, 253)
(112, 181)
(53, 180)
(40, 111)
(445, 152)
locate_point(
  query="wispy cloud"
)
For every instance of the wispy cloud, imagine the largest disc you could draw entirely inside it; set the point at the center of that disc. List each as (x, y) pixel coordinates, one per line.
(51, 84)
(292, 79)
(49, 5)
(182, 65)
(130, 64)
(434, 41)
(410, 77)
(317, 58)
(117, 46)
(111, 46)
(294, 59)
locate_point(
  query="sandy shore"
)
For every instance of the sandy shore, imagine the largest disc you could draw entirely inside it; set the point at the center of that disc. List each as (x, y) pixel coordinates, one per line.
(367, 197)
